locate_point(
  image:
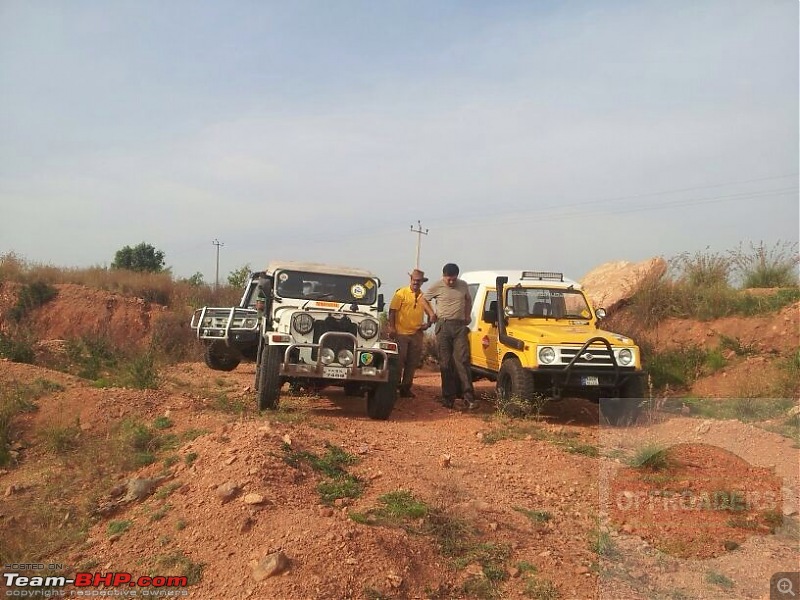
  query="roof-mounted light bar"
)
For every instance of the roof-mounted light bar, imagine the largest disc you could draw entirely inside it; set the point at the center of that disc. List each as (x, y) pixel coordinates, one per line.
(542, 275)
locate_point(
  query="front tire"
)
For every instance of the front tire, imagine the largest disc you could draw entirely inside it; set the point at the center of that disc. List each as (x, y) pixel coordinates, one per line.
(381, 398)
(269, 381)
(514, 382)
(219, 357)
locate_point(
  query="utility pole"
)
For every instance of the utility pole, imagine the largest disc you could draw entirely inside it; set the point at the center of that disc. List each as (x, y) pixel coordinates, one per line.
(217, 243)
(420, 232)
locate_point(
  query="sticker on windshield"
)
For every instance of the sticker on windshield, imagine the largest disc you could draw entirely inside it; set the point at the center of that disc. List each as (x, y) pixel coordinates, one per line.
(283, 277)
(358, 291)
(370, 284)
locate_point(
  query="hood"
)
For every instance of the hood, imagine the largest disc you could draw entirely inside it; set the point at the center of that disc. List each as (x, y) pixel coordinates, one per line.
(562, 332)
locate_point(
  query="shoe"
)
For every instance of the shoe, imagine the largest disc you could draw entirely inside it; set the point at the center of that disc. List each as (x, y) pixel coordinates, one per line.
(472, 406)
(447, 402)
(404, 393)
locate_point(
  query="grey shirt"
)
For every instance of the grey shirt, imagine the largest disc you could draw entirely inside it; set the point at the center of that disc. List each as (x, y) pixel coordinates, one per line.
(451, 302)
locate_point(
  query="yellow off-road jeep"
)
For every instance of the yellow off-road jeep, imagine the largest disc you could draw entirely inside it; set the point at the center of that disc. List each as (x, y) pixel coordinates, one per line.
(536, 334)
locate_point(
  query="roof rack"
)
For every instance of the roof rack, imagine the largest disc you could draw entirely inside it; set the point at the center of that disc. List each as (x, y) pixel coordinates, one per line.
(542, 275)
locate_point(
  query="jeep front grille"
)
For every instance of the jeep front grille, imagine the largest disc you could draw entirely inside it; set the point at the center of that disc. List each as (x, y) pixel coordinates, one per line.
(591, 357)
(335, 343)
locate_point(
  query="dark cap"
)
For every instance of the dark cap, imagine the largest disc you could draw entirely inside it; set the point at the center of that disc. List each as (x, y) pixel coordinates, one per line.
(450, 270)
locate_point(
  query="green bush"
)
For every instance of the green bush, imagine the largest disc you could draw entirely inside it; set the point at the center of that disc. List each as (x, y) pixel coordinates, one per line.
(764, 267)
(141, 372)
(698, 286)
(90, 357)
(682, 366)
(18, 347)
(30, 297)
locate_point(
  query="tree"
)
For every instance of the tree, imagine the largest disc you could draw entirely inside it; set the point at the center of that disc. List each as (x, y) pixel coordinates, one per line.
(142, 258)
(195, 280)
(239, 277)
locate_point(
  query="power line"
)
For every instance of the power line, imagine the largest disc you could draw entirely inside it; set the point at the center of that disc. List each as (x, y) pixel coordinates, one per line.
(550, 213)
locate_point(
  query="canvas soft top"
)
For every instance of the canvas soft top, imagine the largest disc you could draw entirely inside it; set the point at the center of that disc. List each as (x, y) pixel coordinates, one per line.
(312, 267)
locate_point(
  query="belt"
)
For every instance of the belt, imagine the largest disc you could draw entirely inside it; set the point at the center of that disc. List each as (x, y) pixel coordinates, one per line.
(453, 320)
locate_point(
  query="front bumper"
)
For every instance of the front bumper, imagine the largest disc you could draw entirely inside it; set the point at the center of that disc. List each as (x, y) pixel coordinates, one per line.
(370, 364)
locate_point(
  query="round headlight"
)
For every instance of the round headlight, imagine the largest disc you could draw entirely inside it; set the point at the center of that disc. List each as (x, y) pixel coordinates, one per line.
(207, 322)
(368, 328)
(302, 323)
(249, 323)
(546, 355)
(326, 356)
(625, 357)
(345, 357)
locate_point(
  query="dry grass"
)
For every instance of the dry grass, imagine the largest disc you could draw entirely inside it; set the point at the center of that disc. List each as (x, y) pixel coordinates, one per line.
(160, 288)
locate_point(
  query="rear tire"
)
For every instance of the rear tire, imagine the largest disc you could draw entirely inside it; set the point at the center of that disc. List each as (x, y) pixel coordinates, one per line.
(269, 381)
(219, 357)
(381, 398)
(625, 409)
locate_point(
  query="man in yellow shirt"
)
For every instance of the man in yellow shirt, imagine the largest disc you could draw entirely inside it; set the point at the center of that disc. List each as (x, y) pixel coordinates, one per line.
(406, 311)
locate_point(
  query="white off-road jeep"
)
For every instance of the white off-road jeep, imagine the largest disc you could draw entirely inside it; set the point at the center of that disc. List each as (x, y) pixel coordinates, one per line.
(317, 326)
(537, 335)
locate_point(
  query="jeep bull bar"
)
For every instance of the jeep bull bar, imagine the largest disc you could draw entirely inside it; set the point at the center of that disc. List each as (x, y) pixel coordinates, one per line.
(217, 323)
(344, 361)
(613, 377)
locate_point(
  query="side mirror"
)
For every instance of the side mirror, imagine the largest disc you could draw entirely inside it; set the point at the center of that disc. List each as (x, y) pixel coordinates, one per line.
(381, 303)
(600, 313)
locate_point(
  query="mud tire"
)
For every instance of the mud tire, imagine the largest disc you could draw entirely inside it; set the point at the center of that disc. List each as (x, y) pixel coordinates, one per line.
(514, 383)
(219, 357)
(381, 398)
(269, 381)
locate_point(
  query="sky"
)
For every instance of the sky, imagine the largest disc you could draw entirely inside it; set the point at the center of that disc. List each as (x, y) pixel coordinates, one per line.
(524, 134)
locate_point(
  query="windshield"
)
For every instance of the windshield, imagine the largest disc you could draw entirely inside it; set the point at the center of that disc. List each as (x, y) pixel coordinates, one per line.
(547, 303)
(322, 286)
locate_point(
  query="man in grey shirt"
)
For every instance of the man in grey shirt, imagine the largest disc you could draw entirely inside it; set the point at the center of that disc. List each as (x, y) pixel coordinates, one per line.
(453, 307)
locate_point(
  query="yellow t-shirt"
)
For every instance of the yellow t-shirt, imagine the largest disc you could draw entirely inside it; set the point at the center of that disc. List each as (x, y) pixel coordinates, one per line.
(409, 309)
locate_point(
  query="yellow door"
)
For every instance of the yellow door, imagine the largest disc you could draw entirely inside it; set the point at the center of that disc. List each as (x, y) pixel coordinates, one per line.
(483, 337)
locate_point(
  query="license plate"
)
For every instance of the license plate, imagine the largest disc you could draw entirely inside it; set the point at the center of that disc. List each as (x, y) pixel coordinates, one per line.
(590, 380)
(334, 372)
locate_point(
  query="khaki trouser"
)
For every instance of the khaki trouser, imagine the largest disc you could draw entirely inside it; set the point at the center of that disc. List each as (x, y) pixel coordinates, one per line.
(453, 345)
(409, 348)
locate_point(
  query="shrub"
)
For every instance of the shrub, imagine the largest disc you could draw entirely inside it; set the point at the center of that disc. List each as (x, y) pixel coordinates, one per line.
(30, 297)
(141, 372)
(763, 267)
(90, 357)
(12, 267)
(18, 347)
(172, 337)
(678, 367)
(698, 285)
